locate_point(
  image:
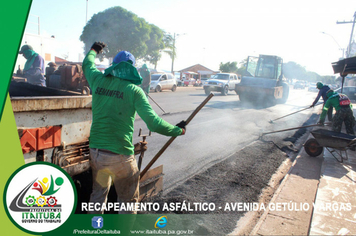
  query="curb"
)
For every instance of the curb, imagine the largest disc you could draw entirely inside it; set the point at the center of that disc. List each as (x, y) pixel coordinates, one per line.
(284, 217)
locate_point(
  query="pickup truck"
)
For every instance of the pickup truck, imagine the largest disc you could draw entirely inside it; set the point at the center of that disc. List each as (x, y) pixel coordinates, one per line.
(221, 82)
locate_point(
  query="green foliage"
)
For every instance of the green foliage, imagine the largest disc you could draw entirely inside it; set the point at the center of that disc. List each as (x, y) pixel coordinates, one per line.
(229, 67)
(154, 45)
(329, 79)
(170, 45)
(241, 70)
(292, 70)
(123, 30)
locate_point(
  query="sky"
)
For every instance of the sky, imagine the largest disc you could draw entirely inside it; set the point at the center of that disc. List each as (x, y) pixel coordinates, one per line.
(211, 32)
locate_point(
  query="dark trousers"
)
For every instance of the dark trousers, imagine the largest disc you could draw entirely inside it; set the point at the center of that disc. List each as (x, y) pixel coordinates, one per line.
(344, 115)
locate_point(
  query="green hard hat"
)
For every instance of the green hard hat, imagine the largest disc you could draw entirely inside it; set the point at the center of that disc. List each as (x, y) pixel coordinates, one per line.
(319, 85)
(24, 48)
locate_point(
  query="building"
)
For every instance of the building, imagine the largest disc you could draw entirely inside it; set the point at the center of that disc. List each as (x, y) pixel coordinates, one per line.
(197, 72)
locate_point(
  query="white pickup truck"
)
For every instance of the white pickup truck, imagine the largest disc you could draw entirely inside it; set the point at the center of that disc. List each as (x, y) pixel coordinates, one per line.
(221, 82)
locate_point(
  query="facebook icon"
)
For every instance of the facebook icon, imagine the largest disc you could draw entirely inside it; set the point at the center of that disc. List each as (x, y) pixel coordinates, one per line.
(97, 222)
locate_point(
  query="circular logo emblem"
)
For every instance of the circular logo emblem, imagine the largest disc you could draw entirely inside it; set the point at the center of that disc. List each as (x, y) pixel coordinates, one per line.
(39, 197)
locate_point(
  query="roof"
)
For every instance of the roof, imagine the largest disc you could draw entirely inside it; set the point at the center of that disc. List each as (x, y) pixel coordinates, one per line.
(198, 69)
(345, 66)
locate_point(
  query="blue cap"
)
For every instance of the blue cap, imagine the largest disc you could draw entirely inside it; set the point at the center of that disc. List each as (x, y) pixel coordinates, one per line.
(124, 56)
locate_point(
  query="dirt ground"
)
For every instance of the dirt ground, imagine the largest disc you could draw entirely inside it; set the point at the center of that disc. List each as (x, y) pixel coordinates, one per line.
(249, 176)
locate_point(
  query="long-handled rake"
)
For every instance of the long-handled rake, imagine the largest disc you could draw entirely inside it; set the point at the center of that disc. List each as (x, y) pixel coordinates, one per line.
(164, 113)
(282, 130)
(271, 121)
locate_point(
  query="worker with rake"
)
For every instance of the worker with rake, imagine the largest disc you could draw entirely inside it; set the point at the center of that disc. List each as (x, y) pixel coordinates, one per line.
(146, 78)
(322, 93)
(116, 99)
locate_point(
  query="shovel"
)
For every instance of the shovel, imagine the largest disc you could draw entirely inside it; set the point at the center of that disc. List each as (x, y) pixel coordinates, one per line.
(271, 121)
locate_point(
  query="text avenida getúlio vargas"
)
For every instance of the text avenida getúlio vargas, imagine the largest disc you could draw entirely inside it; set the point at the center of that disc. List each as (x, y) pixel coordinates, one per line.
(204, 206)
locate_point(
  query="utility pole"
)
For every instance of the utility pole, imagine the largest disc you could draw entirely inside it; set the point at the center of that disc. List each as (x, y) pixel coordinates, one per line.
(86, 15)
(352, 31)
(38, 20)
(173, 51)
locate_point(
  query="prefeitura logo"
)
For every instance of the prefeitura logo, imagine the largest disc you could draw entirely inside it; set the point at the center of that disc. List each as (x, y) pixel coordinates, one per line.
(39, 197)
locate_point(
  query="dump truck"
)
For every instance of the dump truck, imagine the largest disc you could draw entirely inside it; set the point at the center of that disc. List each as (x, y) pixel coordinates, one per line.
(68, 77)
(54, 126)
(263, 80)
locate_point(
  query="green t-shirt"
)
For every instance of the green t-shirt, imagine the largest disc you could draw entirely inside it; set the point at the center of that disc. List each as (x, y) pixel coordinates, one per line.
(114, 105)
(333, 101)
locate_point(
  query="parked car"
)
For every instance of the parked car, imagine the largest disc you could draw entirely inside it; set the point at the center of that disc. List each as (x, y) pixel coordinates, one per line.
(163, 81)
(221, 82)
(299, 85)
(312, 87)
(349, 91)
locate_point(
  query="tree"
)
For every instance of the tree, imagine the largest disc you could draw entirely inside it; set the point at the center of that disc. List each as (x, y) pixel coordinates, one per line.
(122, 30)
(242, 68)
(153, 58)
(170, 45)
(329, 79)
(229, 67)
(292, 70)
(154, 45)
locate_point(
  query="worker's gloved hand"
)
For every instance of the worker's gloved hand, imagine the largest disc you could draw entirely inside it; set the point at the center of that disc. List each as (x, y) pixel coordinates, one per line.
(140, 147)
(182, 125)
(321, 123)
(98, 47)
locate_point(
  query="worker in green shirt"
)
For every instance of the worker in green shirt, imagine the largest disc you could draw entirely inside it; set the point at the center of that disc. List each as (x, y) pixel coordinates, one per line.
(116, 97)
(344, 113)
(146, 78)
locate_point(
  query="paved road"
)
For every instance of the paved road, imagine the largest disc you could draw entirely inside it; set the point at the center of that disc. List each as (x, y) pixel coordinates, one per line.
(220, 129)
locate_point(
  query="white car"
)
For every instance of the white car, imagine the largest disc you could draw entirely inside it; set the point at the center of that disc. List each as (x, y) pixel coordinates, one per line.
(222, 82)
(163, 81)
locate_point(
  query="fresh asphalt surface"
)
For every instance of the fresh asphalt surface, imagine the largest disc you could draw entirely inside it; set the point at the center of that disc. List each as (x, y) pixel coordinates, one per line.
(223, 127)
(221, 159)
